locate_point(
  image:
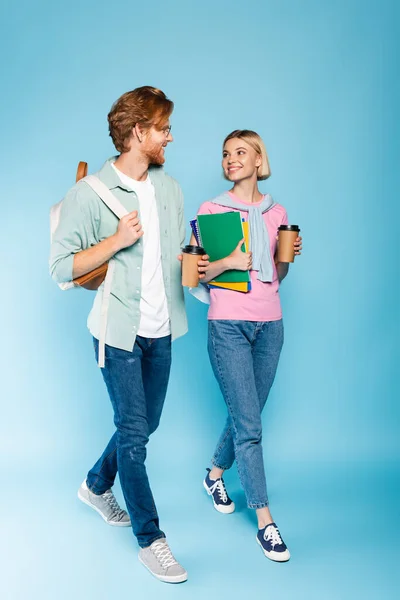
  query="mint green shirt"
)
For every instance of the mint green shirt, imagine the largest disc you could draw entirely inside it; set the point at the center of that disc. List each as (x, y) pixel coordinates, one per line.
(85, 221)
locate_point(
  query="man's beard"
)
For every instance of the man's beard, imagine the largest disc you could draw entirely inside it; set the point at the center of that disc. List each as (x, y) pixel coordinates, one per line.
(155, 155)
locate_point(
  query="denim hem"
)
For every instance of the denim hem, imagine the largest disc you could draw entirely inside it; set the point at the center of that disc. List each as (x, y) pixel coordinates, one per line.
(258, 505)
(159, 537)
(99, 476)
(218, 466)
(95, 490)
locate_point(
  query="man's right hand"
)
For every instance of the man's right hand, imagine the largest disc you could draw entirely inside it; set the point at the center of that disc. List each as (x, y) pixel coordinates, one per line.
(241, 261)
(129, 230)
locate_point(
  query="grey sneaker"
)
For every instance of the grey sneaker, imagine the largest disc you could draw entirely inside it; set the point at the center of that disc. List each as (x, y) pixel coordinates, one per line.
(158, 559)
(106, 505)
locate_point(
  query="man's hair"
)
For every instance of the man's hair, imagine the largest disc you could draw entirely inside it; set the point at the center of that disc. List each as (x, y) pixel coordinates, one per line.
(146, 106)
(253, 139)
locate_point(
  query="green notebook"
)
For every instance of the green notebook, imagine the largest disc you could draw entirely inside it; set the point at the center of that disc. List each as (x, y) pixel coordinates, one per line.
(220, 234)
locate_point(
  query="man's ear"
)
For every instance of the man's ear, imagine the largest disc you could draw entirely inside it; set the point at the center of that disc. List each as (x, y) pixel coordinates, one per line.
(138, 132)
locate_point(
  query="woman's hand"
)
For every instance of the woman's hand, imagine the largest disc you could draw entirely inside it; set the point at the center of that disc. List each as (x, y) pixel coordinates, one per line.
(298, 245)
(203, 265)
(241, 261)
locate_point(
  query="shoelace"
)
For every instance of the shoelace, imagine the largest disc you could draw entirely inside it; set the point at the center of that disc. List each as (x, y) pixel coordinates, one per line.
(219, 486)
(164, 555)
(116, 511)
(271, 534)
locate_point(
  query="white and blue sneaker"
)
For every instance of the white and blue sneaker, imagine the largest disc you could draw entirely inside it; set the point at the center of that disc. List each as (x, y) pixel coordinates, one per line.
(216, 489)
(272, 543)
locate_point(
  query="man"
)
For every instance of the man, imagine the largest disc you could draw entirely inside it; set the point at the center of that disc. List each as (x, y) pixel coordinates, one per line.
(146, 306)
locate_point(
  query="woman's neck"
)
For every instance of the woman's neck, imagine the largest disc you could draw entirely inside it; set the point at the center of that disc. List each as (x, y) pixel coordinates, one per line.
(247, 190)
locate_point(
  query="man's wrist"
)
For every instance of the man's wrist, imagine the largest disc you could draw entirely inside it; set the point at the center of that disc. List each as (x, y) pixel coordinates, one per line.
(115, 243)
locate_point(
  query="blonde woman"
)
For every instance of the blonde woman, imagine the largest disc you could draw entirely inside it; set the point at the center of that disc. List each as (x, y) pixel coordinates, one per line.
(246, 333)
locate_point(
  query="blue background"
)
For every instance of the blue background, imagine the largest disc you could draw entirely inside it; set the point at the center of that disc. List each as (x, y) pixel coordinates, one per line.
(318, 81)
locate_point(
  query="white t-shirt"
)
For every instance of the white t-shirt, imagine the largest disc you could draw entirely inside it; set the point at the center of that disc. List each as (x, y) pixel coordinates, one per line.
(154, 320)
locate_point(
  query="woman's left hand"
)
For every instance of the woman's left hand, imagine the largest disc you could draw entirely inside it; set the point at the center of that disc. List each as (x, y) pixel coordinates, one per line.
(298, 245)
(203, 265)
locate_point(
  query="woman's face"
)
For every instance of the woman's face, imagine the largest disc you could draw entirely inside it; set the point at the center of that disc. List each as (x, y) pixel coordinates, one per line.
(239, 160)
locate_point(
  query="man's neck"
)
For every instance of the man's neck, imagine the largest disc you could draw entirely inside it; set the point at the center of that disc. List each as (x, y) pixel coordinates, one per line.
(133, 164)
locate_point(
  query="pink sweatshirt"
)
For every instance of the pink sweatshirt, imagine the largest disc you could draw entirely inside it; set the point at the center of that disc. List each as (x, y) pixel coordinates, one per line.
(262, 303)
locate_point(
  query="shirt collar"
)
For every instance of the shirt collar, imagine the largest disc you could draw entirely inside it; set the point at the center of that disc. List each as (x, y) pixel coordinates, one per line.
(108, 175)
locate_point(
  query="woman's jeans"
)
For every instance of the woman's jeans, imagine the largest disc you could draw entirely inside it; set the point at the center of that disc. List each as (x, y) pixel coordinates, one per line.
(244, 356)
(137, 384)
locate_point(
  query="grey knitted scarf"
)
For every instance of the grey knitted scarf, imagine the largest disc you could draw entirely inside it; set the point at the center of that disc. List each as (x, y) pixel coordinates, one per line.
(259, 236)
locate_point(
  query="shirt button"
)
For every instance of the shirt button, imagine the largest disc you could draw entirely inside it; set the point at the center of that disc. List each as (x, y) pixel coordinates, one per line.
(138, 291)
(138, 267)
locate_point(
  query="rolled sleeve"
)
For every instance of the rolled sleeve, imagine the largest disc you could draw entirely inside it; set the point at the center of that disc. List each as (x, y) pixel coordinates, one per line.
(71, 236)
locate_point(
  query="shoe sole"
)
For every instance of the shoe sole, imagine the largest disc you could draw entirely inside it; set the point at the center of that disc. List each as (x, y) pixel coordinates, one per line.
(112, 523)
(165, 578)
(225, 510)
(275, 556)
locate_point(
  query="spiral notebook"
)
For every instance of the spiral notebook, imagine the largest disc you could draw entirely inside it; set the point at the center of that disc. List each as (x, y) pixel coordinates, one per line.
(219, 235)
(241, 286)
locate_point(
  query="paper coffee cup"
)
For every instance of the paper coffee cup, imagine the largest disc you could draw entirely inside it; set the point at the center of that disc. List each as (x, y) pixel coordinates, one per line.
(287, 235)
(190, 258)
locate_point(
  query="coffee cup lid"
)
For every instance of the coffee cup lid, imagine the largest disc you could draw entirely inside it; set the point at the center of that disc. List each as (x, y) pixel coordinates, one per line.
(193, 250)
(289, 228)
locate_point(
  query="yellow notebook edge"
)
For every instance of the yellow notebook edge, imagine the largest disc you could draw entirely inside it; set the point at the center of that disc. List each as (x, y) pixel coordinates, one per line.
(241, 286)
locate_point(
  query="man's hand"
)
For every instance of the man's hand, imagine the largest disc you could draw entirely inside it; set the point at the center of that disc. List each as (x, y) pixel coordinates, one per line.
(241, 261)
(129, 230)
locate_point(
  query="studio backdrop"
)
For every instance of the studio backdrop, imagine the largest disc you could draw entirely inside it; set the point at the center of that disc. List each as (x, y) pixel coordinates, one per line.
(317, 81)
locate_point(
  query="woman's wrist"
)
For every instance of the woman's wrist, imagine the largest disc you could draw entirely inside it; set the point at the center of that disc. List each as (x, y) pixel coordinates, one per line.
(282, 270)
(216, 268)
(226, 263)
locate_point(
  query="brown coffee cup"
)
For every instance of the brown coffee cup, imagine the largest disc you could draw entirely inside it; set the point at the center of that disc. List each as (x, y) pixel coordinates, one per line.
(287, 235)
(190, 258)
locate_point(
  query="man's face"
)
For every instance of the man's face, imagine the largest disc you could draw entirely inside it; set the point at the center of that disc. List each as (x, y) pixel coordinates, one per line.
(155, 141)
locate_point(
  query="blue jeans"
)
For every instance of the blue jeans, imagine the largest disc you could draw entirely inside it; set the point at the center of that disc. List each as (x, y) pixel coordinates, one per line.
(137, 384)
(244, 356)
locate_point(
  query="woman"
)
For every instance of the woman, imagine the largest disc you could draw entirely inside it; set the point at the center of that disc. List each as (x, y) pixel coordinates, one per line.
(246, 333)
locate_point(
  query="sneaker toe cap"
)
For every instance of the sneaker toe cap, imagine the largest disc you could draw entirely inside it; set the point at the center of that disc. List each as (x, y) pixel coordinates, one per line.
(176, 571)
(279, 556)
(125, 518)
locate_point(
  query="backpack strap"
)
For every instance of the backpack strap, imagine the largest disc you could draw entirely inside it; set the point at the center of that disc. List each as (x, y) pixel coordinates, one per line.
(105, 303)
(119, 211)
(81, 171)
(108, 197)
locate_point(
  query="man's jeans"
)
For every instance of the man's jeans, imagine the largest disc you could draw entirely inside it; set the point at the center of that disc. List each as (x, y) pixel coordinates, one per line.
(137, 384)
(244, 356)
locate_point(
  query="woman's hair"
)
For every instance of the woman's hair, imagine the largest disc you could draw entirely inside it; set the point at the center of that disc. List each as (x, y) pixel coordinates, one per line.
(145, 105)
(253, 139)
